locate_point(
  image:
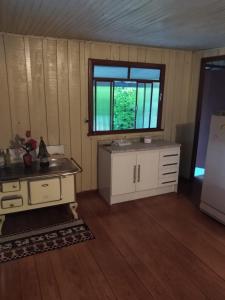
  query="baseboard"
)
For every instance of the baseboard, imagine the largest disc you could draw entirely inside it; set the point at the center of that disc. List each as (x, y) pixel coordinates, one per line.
(86, 193)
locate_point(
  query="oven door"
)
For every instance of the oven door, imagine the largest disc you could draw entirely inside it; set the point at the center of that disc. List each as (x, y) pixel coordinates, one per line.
(44, 191)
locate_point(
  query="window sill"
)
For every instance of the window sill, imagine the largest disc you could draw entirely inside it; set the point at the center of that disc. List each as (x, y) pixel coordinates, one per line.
(129, 131)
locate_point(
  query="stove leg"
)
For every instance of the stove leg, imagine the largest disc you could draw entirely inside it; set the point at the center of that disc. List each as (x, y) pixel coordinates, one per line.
(73, 208)
(2, 220)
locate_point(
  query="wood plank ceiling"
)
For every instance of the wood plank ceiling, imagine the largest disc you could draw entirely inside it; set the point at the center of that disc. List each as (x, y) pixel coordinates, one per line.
(192, 24)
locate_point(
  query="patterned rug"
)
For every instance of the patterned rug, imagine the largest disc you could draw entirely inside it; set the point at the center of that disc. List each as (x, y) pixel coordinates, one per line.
(44, 239)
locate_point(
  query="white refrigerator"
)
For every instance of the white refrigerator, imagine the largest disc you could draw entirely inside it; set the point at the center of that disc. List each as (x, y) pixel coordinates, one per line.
(213, 189)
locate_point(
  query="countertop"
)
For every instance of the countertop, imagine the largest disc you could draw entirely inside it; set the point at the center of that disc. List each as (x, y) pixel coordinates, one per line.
(140, 146)
(57, 166)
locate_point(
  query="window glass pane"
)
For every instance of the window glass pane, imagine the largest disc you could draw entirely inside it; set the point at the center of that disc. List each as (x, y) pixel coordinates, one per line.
(124, 105)
(140, 105)
(155, 104)
(147, 74)
(102, 106)
(148, 92)
(110, 72)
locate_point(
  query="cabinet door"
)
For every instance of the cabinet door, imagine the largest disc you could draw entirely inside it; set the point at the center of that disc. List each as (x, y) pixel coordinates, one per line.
(123, 173)
(147, 170)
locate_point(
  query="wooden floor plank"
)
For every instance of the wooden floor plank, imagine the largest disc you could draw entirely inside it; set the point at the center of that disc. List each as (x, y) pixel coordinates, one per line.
(10, 283)
(92, 270)
(29, 280)
(204, 246)
(205, 223)
(184, 261)
(70, 276)
(165, 267)
(155, 248)
(123, 280)
(48, 284)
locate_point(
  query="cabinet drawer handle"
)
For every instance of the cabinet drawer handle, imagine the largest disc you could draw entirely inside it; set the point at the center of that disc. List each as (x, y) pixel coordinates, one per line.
(172, 164)
(134, 175)
(139, 173)
(11, 205)
(169, 173)
(14, 186)
(44, 185)
(168, 181)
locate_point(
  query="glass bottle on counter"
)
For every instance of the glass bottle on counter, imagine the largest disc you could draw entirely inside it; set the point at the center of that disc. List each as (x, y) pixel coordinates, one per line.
(7, 157)
(2, 158)
(43, 154)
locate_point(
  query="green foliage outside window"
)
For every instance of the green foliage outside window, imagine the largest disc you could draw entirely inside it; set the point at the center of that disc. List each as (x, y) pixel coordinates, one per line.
(124, 108)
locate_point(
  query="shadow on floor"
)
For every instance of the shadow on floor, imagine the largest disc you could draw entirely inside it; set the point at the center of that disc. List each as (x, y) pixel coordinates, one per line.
(192, 189)
(37, 218)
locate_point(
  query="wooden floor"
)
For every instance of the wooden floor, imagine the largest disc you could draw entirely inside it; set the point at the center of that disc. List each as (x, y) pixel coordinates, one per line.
(156, 248)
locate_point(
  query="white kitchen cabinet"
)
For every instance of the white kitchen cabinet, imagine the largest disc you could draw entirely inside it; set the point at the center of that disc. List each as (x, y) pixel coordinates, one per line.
(147, 170)
(129, 175)
(123, 170)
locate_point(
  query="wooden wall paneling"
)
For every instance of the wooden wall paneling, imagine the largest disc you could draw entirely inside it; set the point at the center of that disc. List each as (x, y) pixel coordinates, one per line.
(17, 81)
(186, 75)
(177, 104)
(115, 52)
(165, 60)
(141, 54)
(5, 116)
(51, 76)
(86, 141)
(170, 74)
(97, 51)
(154, 55)
(35, 82)
(221, 51)
(132, 53)
(63, 95)
(210, 52)
(75, 104)
(100, 50)
(51, 89)
(124, 52)
(194, 84)
(184, 128)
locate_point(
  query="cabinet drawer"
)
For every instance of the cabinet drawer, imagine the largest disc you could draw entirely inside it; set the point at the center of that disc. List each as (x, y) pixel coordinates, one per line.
(11, 203)
(168, 179)
(169, 160)
(47, 190)
(11, 186)
(168, 169)
(169, 152)
(169, 157)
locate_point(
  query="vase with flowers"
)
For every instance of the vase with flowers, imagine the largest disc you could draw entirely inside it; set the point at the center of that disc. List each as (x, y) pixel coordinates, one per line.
(29, 145)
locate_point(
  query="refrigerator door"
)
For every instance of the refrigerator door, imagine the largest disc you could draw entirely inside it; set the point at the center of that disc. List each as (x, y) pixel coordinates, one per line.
(213, 190)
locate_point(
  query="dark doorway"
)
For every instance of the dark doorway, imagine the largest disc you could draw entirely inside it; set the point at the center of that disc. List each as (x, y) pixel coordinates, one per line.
(211, 99)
